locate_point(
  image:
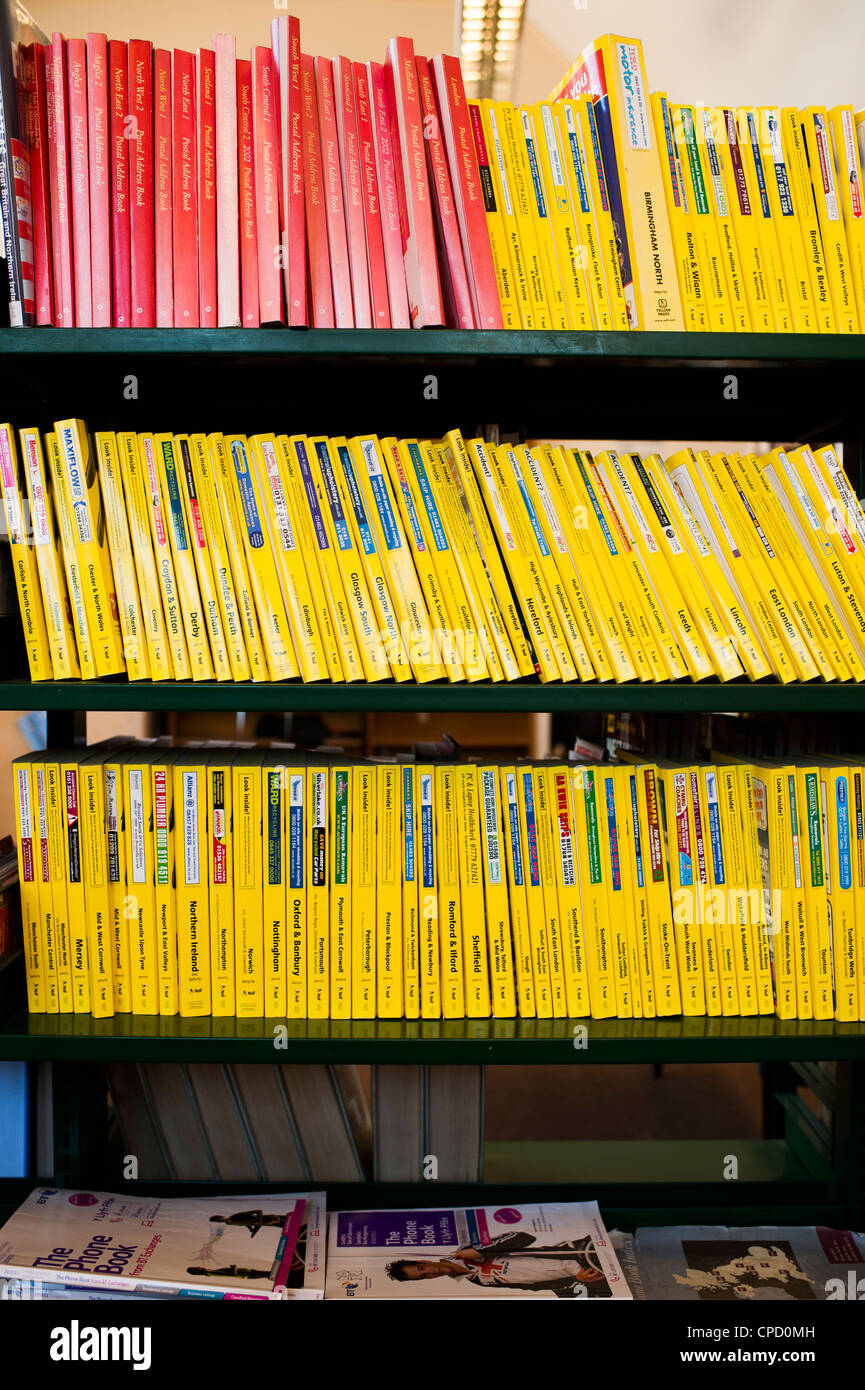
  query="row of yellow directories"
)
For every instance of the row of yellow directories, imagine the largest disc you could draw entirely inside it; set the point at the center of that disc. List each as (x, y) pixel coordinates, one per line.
(233, 881)
(723, 219)
(366, 559)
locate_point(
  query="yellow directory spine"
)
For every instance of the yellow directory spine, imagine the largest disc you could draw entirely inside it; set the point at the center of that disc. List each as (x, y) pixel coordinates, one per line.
(841, 893)
(546, 848)
(75, 589)
(210, 507)
(191, 885)
(564, 223)
(138, 796)
(593, 894)
(541, 218)
(756, 900)
(793, 141)
(470, 838)
(758, 193)
(358, 599)
(688, 268)
(449, 908)
(425, 836)
(57, 828)
(342, 868)
(188, 592)
(203, 560)
(79, 934)
(58, 617)
(388, 894)
(323, 568)
(502, 183)
(363, 890)
(123, 558)
(716, 179)
(632, 849)
(680, 840)
(718, 968)
(611, 252)
(538, 933)
(515, 865)
(567, 117)
(24, 562)
(857, 812)
(693, 161)
(273, 886)
(32, 921)
(847, 163)
(824, 183)
(410, 899)
(317, 917)
(47, 922)
(623, 919)
(264, 582)
(719, 904)
(164, 879)
(495, 888)
(297, 874)
(808, 785)
(745, 218)
(665, 973)
(220, 884)
(162, 551)
(233, 524)
(779, 883)
(415, 628)
(246, 837)
(132, 477)
(790, 243)
(96, 891)
(81, 481)
(514, 151)
(493, 201)
(799, 910)
(568, 888)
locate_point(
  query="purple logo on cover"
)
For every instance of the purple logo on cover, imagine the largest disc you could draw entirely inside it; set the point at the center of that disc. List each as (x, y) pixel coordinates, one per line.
(507, 1216)
(83, 1199)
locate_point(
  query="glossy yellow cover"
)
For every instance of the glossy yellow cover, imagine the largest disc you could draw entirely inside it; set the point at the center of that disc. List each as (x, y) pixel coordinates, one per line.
(755, 177)
(388, 892)
(516, 869)
(513, 146)
(46, 549)
(73, 869)
(342, 869)
(754, 884)
(784, 212)
(588, 230)
(188, 591)
(502, 185)
(564, 222)
(203, 558)
(536, 916)
(495, 894)
(830, 216)
(32, 919)
(274, 875)
(363, 895)
(425, 838)
(97, 900)
(132, 474)
(215, 529)
(164, 871)
(158, 521)
(233, 523)
(688, 269)
(122, 558)
(538, 196)
(793, 140)
(319, 828)
(449, 903)
(191, 884)
(745, 216)
(220, 883)
(246, 844)
(74, 586)
(545, 830)
(600, 961)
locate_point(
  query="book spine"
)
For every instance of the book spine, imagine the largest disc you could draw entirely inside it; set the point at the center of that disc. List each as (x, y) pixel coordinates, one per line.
(285, 34)
(163, 190)
(115, 859)
(455, 280)
(32, 926)
(318, 925)
(185, 210)
(468, 193)
(164, 893)
(79, 179)
(96, 895)
(61, 203)
(225, 136)
(320, 291)
(296, 879)
(220, 878)
(333, 199)
(248, 925)
(352, 190)
(122, 557)
(36, 136)
(410, 903)
(449, 905)
(205, 102)
(265, 120)
(121, 271)
(193, 915)
(371, 200)
(388, 197)
(389, 982)
(141, 185)
(55, 600)
(421, 266)
(274, 899)
(100, 192)
(249, 311)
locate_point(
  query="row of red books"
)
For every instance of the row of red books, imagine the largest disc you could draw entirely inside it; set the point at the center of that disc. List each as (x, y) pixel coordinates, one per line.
(172, 189)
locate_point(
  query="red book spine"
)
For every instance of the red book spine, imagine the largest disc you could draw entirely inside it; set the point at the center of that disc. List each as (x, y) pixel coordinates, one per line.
(388, 198)
(320, 291)
(141, 199)
(468, 195)
(227, 187)
(36, 130)
(205, 70)
(352, 190)
(421, 268)
(249, 316)
(100, 182)
(455, 281)
(79, 178)
(371, 200)
(185, 210)
(61, 213)
(118, 89)
(340, 272)
(285, 36)
(164, 191)
(267, 156)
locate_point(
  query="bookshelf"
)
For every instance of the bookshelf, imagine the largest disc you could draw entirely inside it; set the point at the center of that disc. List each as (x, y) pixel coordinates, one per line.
(671, 386)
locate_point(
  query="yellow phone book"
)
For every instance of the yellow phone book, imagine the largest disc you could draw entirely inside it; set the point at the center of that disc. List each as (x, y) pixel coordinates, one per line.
(191, 829)
(745, 215)
(793, 142)
(693, 160)
(790, 243)
(164, 880)
(812, 830)
(472, 903)
(830, 216)
(516, 868)
(717, 185)
(425, 835)
(388, 893)
(297, 874)
(758, 192)
(841, 893)
(502, 184)
(587, 226)
(274, 884)
(123, 558)
(449, 905)
(138, 802)
(210, 508)
(233, 523)
(507, 119)
(46, 549)
(665, 970)
(97, 898)
(546, 848)
(363, 896)
(600, 961)
(849, 169)
(683, 882)
(410, 897)
(493, 207)
(55, 797)
(754, 881)
(719, 974)
(538, 196)
(188, 592)
(688, 268)
(246, 838)
(495, 889)
(537, 924)
(32, 918)
(569, 254)
(317, 893)
(74, 584)
(220, 882)
(631, 852)
(47, 925)
(772, 805)
(342, 869)
(158, 521)
(81, 481)
(80, 939)
(132, 474)
(203, 560)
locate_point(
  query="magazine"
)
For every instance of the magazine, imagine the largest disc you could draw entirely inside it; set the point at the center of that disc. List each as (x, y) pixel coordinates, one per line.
(749, 1263)
(555, 1251)
(258, 1247)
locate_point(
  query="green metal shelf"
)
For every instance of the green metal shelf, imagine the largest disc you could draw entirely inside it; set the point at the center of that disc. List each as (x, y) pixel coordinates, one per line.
(81, 1038)
(483, 697)
(742, 347)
